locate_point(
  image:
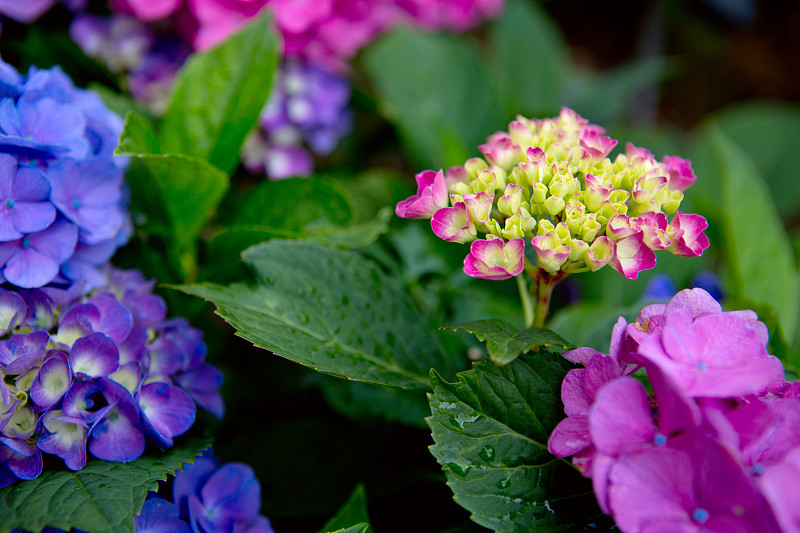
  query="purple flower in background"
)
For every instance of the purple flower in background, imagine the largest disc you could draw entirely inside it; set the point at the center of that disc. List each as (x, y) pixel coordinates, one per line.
(307, 109)
(160, 516)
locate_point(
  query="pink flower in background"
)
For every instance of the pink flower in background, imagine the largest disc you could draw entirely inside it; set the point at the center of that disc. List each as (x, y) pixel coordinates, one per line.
(456, 15)
(147, 10)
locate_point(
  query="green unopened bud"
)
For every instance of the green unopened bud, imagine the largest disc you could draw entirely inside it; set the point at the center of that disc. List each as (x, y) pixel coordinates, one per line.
(554, 205)
(562, 230)
(544, 227)
(474, 166)
(485, 182)
(24, 381)
(590, 227)
(578, 249)
(652, 206)
(460, 189)
(619, 197)
(500, 177)
(511, 200)
(670, 201)
(539, 193)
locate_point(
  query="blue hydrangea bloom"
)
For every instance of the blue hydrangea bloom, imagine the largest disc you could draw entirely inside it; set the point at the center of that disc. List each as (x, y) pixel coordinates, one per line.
(62, 207)
(102, 374)
(209, 498)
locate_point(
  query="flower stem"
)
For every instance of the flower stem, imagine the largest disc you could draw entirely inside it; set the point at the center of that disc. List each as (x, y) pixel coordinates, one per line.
(525, 296)
(545, 282)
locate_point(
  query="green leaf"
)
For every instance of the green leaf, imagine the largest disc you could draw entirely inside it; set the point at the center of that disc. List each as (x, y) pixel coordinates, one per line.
(504, 342)
(101, 497)
(491, 430)
(532, 55)
(438, 93)
(364, 402)
(177, 194)
(331, 310)
(219, 94)
(138, 137)
(353, 514)
(358, 528)
(759, 254)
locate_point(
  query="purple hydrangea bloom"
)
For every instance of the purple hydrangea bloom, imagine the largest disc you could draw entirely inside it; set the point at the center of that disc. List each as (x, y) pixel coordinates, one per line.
(62, 208)
(102, 374)
(308, 107)
(211, 498)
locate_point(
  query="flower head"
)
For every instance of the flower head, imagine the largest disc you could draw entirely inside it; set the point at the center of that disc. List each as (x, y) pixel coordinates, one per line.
(552, 180)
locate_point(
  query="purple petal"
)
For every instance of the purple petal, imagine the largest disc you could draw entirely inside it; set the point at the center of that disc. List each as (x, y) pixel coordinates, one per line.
(189, 481)
(114, 320)
(94, 355)
(115, 437)
(20, 353)
(25, 460)
(203, 383)
(232, 494)
(12, 311)
(160, 516)
(29, 269)
(85, 401)
(64, 437)
(30, 217)
(168, 408)
(57, 241)
(52, 381)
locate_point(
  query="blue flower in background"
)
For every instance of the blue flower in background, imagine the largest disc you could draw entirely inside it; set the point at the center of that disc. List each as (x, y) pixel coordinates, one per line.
(63, 211)
(207, 498)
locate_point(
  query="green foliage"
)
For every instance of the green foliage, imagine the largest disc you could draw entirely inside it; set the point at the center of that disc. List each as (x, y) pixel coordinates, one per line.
(760, 262)
(352, 517)
(505, 343)
(219, 94)
(101, 497)
(331, 310)
(437, 91)
(179, 194)
(531, 60)
(491, 430)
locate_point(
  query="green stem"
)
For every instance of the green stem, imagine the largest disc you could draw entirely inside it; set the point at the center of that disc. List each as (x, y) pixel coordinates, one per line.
(525, 296)
(544, 291)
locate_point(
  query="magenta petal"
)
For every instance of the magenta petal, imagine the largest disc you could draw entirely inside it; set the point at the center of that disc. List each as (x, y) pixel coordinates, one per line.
(94, 355)
(431, 196)
(570, 436)
(631, 256)
(454, 224)
(168, 408)
(620, 420)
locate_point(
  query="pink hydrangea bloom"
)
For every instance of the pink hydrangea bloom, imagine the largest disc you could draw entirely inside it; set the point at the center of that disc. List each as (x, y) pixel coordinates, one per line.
(431, 196)
(147, 10)
(457, 15)
(495, 259)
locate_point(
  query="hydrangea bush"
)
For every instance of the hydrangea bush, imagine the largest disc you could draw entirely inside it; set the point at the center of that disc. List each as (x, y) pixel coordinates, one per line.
(599, 401)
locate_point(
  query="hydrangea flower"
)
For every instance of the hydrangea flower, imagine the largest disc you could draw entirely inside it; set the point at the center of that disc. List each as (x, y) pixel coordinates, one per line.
(104, 373)
(709, 449)
(63, 207)
(551, 182)
(308, 107)
(147, 60)
(207, 497)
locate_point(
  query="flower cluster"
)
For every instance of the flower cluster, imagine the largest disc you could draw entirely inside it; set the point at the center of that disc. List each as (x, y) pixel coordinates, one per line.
(307, 106)
(107, 372)
(62, 207)
(715, 447)
(147, 60)
(213, 498)
(550, 181)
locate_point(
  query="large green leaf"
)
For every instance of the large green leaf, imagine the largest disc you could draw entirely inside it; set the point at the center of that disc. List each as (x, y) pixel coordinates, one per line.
(491, 430)
(138, 136)
(759, 255)
(532, 56)
(504, 342)
(219, 94)
(331, 310)
(352, 516)
(101, 497)
(178, 194)
(438, 93)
